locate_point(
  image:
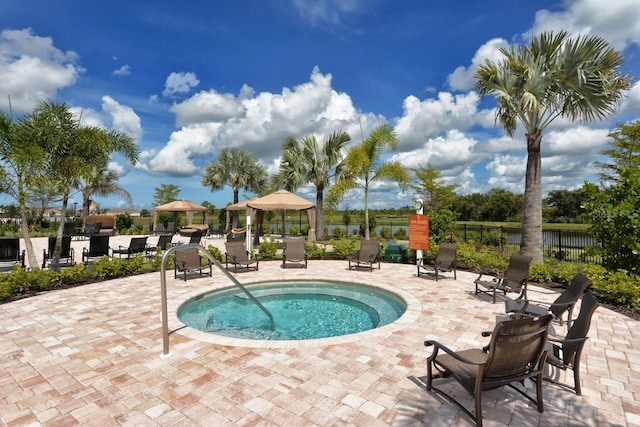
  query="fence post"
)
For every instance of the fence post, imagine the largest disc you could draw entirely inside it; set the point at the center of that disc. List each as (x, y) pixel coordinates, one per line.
(560, 254)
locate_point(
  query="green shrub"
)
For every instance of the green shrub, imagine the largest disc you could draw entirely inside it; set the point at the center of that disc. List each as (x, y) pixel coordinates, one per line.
(400, 234)
(342, 249)
(293, 230)
(541, 272)
(339, 233)
(268, 248)
(112, 268)
(564, 272)
(216, 253)
(385, 232)
(316, 251)
(618, 288)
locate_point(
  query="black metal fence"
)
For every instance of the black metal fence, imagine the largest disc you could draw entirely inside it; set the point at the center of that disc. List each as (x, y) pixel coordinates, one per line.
(564, 245)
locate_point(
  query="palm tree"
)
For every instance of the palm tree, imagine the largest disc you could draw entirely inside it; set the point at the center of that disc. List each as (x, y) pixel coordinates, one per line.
(306, 162)
(557, 76)
(74, 151)
(364, 166)
(100, 182)
(238, 169)
(21, 163)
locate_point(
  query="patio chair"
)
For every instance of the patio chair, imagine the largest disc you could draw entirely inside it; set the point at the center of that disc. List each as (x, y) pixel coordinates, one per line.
(98, 247)
(565, 302)
(189, 261)
(164, 242)
(10, 251)
(516, 352)
(237, 254)
(67, 253)
(195, 237)
(137, 245)
(565, 353)
(513, 279)
(367, 256)
(445, 261)
(237, 235)
(294, 253)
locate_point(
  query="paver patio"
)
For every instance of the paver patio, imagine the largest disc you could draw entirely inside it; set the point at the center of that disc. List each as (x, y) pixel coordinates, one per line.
(90, 355)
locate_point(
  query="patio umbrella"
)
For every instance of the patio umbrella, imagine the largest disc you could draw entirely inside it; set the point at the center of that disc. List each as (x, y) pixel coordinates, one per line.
(282, 200)
(182, 205)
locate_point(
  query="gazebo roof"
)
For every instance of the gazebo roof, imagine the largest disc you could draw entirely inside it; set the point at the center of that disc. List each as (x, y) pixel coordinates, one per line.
(182, 205)
(280, 200)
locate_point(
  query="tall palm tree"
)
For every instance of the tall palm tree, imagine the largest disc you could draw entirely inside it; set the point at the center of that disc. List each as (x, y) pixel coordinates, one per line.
(557, 76)
(363, 166)
(74, 151)
(306, 162)
(100, 182)
(21, 161)
(238, 169)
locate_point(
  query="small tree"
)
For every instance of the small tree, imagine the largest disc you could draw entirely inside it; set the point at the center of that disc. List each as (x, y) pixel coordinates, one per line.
(615, 221)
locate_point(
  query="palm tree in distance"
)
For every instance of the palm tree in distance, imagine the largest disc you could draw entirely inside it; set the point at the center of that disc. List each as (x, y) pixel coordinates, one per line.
(306, 162)
(100, 182)
(363, 166)
(237, 168)
(557, 76)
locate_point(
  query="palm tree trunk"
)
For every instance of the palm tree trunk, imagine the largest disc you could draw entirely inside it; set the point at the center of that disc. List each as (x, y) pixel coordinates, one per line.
(531, 243)
(366, 211)
(235, 214)
(319, 225)
(55, 257)
(31, 255)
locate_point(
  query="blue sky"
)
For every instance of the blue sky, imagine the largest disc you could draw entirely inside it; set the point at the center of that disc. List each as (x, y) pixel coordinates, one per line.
(188, 79)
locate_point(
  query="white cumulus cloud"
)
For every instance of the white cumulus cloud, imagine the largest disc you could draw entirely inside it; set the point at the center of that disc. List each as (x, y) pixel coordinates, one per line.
(180, 84)
(32, 69)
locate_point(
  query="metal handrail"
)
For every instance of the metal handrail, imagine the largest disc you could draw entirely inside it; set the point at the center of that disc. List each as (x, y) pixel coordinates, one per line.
(163, 291)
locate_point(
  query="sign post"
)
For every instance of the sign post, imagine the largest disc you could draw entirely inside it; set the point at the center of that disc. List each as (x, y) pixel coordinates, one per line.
(419, 234)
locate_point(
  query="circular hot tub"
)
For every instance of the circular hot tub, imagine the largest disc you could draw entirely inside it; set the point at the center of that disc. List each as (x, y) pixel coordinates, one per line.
(301, 310)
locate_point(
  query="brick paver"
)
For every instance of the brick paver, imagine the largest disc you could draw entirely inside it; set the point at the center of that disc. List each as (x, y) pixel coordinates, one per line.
(90, 355)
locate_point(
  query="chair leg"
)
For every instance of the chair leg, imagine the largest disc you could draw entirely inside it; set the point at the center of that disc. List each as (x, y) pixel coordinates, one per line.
(539, 392)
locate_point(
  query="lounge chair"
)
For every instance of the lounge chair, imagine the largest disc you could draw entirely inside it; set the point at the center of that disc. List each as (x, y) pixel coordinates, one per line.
(10, 252)
(188, 261)
(445, 261)
(137, 245)
(513, 279)
(566, 352)
(237, 255)
(67, 254)
(565, 302)
(98, 247)
(195, 237)
(516, 352)
(367, 256)
(294, 253)
(164, 242)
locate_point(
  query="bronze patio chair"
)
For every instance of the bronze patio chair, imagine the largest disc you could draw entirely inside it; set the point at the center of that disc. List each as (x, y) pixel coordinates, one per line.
(565, 302)
(445, 261)
(367, 256)
(294, 253)
(513, 279)
(566, 352)
(237, 255)
(189, 261)
(516, 352)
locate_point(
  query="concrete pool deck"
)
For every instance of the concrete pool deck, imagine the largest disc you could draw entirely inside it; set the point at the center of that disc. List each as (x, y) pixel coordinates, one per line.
(90, 355)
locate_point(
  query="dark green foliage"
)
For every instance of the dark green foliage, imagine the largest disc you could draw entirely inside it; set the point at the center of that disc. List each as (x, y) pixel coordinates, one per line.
(215, 252)
(615, 221)
(111, 268)
(123, 221)
(342, 249)
(442, 225)
(268, 248)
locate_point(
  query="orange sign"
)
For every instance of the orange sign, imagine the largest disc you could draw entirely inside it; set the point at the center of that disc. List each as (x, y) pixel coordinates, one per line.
(419, 232)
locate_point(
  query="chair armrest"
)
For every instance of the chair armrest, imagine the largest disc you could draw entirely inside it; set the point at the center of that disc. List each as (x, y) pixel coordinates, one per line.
(437, 346)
